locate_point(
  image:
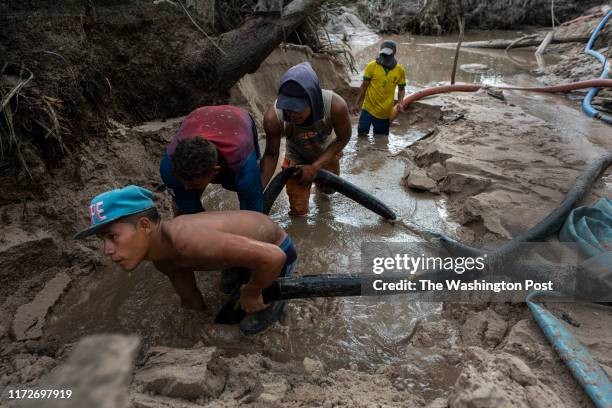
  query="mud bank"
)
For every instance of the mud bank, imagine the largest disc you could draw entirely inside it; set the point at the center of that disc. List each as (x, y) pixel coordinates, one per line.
(501, 168)
(502, 160)
(437, 17)
(500, 358)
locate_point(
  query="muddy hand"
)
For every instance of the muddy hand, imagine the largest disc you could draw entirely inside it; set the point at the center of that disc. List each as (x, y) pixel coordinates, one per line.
(307, 174)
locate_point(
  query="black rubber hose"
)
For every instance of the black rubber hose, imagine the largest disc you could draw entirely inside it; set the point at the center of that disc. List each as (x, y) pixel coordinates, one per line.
(337, 285)
(502, 257)
(275, 187)
(355, 193)
(334, 182)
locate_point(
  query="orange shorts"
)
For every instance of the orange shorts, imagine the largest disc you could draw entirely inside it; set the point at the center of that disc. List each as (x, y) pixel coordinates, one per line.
(299, 194)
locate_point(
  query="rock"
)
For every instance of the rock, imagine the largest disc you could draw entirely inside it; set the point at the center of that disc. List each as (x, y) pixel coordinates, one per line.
(483, 328)
(518, 370)
(436, 171)
(438, 403)
(21, 361)
(273, 392)
(464, 184)
(140, 400)
(3, 332)
(97, 371)
(542, 397)
(496, 379)
(526, 340)
(417, 179)
(313, 368)
(30, 318)
(483, 395)
(181, 373)
(24, 255)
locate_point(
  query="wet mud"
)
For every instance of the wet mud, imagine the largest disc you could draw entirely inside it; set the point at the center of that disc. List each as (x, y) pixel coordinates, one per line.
(332, 352)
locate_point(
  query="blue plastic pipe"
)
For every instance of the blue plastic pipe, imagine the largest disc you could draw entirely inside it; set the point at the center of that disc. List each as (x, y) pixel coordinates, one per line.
(588, 99)
(583, 366)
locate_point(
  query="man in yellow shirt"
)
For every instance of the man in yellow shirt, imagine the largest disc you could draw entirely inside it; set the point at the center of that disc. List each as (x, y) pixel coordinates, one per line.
(380, 78)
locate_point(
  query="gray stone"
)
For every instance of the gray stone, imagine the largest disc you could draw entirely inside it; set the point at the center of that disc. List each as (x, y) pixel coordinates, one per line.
(419, 180)
(518, 370)
(438, 403)
(30, 318)
(97, 372)
(181, 373)
(484, 395)
(313, 368)
(436, 171)
(273, 392)
(464, 184)
(540, 396)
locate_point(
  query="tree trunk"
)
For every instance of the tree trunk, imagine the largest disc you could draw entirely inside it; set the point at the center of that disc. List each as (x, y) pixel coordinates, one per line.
(503, 44)
(248, 46)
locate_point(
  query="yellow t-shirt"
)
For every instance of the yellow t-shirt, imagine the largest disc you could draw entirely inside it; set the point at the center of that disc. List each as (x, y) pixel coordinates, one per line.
(380, 94)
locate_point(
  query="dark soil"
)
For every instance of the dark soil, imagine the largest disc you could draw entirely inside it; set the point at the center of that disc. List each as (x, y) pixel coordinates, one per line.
(440, 16)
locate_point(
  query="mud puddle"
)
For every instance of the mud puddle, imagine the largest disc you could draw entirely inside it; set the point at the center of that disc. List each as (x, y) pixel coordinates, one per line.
(426, 64)
(365, 331)
(340, 332)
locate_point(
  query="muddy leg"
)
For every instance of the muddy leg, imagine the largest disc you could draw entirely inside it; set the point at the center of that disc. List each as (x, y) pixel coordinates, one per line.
(184, 283)
(334, 167)
(299, 196)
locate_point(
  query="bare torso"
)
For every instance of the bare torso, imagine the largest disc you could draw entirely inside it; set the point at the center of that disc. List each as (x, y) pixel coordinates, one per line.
(212, 240)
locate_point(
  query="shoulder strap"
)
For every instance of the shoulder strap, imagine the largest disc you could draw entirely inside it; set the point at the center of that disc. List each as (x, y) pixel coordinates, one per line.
(327, 102)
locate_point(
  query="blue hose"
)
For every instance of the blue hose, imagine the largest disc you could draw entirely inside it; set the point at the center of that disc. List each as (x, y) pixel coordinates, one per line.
(588, 99)
(583, 366)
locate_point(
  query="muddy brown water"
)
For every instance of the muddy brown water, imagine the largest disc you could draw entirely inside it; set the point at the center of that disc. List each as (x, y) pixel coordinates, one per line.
(364, 331)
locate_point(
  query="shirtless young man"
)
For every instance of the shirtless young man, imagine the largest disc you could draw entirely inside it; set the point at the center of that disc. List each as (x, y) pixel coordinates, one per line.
(132, 231)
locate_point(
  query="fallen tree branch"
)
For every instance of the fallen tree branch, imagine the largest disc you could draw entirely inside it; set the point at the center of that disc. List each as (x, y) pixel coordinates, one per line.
(549, 37)
(519, 40)
(503, 44)
(254, 41)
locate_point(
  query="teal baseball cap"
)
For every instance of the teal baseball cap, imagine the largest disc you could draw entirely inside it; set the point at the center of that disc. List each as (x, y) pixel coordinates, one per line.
(115, 204)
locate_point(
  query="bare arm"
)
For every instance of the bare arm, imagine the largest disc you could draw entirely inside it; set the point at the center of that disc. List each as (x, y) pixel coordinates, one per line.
(360, 95)
(273, 136)
(265, 261)
(342, 127)
(400, 97)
